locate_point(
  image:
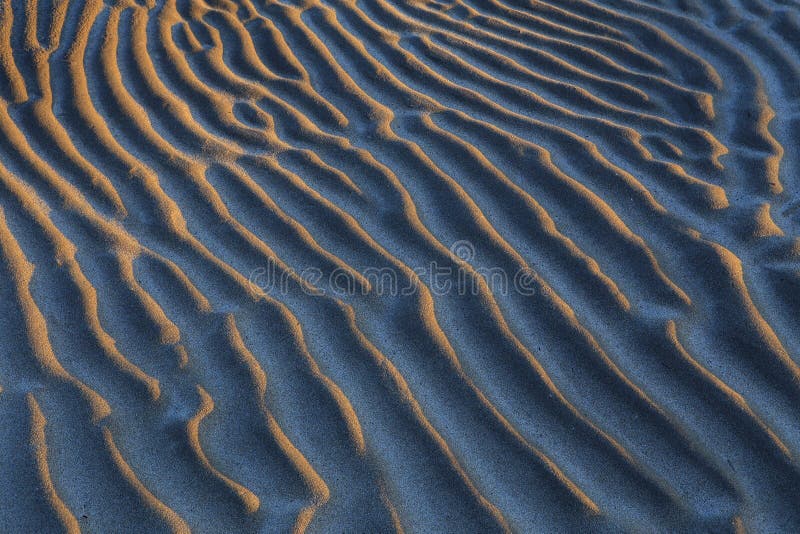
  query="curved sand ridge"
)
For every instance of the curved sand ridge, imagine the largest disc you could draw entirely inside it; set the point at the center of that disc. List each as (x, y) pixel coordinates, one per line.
(163, 163)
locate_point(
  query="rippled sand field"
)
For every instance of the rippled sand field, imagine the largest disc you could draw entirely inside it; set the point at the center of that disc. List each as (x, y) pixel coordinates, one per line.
(399, 265)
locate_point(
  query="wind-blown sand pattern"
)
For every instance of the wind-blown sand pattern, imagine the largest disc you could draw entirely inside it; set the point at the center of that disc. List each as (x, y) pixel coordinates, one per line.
(186, 185)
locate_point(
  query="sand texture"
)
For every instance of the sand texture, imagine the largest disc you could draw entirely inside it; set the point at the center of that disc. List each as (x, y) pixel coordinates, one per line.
(399, 265)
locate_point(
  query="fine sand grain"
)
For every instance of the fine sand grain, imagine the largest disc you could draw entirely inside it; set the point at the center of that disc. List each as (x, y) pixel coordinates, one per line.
(399, 265)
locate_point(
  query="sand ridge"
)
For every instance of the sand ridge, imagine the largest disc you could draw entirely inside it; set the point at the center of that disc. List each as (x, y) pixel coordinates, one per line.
(220, 222)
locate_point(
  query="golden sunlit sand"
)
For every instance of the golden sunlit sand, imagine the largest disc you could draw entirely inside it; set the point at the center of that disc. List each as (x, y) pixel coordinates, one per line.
(399, 265)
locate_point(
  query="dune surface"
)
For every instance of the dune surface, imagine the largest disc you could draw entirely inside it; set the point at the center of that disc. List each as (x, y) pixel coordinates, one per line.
(399, 265)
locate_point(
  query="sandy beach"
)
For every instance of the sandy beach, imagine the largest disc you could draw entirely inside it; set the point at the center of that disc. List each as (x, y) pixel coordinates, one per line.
(367, 266)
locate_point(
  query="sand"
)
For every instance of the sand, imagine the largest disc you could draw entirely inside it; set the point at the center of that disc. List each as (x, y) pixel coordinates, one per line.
(416, 265)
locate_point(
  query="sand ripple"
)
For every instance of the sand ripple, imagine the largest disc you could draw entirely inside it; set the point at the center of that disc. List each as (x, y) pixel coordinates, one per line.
(423, 265)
